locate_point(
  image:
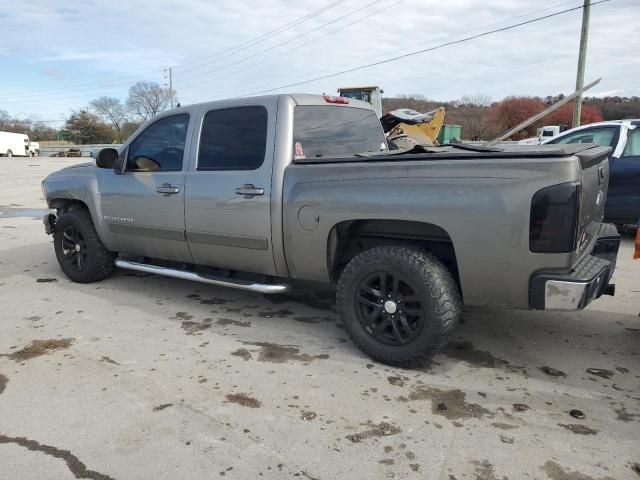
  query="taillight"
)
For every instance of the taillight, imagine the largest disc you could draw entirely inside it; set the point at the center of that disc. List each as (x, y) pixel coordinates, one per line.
(555, 216)
(334, 99)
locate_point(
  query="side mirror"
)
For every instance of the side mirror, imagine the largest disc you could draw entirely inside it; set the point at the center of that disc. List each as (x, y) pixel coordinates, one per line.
(106, 158)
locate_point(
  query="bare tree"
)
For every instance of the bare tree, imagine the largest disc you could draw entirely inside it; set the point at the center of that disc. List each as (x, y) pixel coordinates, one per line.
(147, 99)
(111, 110)
(5, 118)
(470, 111)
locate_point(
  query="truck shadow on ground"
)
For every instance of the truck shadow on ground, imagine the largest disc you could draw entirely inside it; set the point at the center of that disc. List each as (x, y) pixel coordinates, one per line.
(511, 342)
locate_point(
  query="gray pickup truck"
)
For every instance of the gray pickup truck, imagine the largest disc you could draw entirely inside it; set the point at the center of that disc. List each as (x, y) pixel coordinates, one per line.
(257, 193)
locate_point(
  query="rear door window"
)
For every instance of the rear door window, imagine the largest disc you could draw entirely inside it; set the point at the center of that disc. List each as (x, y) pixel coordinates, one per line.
(332, 131)
(233, 139)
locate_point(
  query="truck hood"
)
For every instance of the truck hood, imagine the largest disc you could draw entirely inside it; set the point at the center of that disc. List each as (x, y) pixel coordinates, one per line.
(80, 169)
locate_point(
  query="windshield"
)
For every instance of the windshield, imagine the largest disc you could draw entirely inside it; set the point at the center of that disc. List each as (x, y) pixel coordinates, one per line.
(335, 131)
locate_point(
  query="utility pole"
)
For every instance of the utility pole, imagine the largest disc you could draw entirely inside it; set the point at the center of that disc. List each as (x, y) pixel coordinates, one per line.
(169, 72)
(582, 57)
(171, 83)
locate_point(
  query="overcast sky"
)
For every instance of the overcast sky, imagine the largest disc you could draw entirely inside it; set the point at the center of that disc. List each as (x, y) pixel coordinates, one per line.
(57, 55)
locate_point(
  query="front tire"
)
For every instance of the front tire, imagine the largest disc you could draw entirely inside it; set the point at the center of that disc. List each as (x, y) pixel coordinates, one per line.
(398, 304)
(80, 253)
(9, 153)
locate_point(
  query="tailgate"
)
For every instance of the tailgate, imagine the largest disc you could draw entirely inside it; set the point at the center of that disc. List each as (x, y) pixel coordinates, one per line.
(595, 182)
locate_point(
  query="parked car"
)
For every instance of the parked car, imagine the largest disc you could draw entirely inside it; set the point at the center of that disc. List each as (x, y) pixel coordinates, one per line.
(73, 152)
(623, 201)
(256, 193)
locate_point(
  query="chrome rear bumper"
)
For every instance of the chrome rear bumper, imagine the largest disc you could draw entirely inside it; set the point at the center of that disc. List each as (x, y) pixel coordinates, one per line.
(588, 280)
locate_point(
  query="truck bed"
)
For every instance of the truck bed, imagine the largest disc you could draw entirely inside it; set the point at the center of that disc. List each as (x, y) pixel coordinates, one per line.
(587, 152)
(481, 199)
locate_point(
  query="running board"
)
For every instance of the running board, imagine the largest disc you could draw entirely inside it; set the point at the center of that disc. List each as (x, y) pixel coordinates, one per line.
(265, 288)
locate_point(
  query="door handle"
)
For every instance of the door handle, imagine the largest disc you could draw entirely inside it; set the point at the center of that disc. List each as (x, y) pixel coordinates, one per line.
(249, 190)
(167, 189)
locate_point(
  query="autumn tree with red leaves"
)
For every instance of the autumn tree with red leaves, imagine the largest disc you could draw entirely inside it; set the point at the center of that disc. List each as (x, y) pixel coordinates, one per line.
(513, 110)
(564, 115)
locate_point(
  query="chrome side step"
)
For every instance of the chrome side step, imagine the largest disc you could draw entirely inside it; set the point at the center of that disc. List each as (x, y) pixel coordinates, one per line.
(265, 288)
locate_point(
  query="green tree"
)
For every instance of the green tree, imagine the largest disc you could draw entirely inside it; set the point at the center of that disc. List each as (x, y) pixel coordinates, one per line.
(85, 127)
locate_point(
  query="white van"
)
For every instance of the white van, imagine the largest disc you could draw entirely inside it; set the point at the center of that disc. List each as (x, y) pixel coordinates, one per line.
(14, 144)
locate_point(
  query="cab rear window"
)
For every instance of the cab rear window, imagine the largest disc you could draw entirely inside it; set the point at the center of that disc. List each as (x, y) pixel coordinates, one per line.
(332, 131)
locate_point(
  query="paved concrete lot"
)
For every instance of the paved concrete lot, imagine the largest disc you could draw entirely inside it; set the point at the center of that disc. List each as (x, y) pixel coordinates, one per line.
(144, 377)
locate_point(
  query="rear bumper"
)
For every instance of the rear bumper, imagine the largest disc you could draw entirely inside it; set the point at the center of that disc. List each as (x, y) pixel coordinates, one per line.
(588, 280)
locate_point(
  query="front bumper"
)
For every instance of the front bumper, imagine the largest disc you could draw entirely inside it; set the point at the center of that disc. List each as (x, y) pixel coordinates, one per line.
(588, 280)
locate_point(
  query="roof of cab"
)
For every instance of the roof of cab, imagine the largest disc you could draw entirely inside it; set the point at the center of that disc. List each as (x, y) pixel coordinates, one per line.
(298, 98)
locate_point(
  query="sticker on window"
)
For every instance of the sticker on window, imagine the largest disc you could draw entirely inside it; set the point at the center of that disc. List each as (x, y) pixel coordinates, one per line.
(299, 153)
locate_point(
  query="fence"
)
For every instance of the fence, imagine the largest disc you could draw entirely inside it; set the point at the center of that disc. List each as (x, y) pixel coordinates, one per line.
(85, 150)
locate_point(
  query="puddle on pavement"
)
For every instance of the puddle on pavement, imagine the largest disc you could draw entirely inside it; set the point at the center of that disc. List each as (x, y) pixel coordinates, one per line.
(236, 323)
(579, 429)
(274, 353)
(450, 404)
(318, 301)
(193, 327)
(243, 353)
(382, 429)
(465, 350)
(243, 399)
(556, 472)
(77, 468)
(38, 348)
(12, 212)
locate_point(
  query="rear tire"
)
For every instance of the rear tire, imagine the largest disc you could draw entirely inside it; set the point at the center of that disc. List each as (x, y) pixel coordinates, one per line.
(80, 253)
(398, 304)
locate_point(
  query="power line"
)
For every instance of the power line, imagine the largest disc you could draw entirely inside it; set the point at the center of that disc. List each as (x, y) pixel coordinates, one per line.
(425, 50)
(273, 47)
(112, 82)
(260, 38)
(56, 100)
(480, 27)
(219, 55)
(95, 91)
(297, 47)
(271, 58)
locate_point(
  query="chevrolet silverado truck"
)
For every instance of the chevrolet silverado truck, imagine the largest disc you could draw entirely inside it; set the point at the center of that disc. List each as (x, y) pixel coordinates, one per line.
(258, 193)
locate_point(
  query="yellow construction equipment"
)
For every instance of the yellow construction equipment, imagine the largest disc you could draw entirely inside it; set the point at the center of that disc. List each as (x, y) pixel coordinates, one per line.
(403, 127)
(406, 128)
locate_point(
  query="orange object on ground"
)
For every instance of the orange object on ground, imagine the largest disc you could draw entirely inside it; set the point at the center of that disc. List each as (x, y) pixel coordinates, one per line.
(636, 254)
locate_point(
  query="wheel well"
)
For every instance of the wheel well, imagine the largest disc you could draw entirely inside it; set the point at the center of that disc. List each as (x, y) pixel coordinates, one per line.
(348, 239)
(66, 204)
